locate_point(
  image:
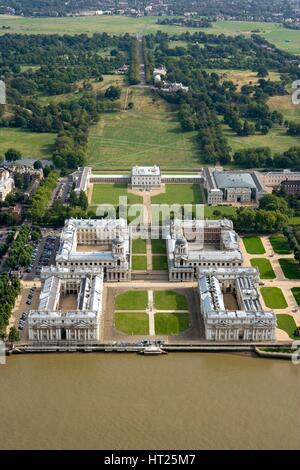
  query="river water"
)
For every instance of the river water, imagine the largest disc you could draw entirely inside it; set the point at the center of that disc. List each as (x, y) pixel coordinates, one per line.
(119, 401)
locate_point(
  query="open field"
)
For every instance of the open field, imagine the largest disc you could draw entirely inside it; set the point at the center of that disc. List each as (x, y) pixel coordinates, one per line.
(179, 194)
(149, 134)
(107, 193)
(280, 244)
(290, 268)
(221, 211)
(287, 323)
(159, 263)
(139, 263)
(169, 300)
(132, 300)
(284, 104)
(253, 245)
(242, 77)
(288, 40)
(264, 266)
(30, 144)
(171, 323)
(132, 323)
(273, 297)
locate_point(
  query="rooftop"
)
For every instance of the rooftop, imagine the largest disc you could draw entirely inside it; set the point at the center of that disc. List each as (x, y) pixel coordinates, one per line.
(146, 171)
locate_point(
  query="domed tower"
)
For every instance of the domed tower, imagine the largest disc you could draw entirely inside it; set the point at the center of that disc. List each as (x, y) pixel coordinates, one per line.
(181, 250)
(118, 246)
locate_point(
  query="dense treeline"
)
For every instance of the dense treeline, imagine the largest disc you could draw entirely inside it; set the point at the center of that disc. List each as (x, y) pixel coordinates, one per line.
(134, 73)
(9, 289)
(149, 60)
(41, 198)
(189, 23)
(20, 251)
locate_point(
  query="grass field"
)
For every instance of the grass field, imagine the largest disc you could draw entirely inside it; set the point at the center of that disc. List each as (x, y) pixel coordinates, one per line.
(179, 194)
(242, 77)
(290, 268)
(139, 246)
(169, 300)
(221, 211)
(148, 134)
(107, 193)
(290, 111)
(273, 297)
(170, 323)
(296, 294)
(132, 300)
(264, 266)
(287, 323)
(280, 244)
(254, 245)
(30, 144)
(139, 263)
(158, 246)
(159, 263)
(132, 323)
(285, 39)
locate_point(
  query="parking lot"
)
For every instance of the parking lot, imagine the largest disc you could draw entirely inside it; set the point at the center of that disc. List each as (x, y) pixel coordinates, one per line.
(44, 253)
(26, 301)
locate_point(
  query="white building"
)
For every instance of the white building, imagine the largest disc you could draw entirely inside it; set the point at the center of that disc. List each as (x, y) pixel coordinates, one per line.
(231, 308)
(70, 306)
(6, 184)
(146, 177)
(81, 179)
(201, 244)
(104, 243)
(275, 178)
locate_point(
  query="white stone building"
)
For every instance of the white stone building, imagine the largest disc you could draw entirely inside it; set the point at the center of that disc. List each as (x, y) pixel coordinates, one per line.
(231, 308)
(104, 243)
(6, 184)
(145, 177)
(81, 179)
(70, 306)
(197, 244)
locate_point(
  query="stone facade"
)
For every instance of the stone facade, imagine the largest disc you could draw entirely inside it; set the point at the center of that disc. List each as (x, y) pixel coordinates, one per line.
(145, 177)
(6, 184)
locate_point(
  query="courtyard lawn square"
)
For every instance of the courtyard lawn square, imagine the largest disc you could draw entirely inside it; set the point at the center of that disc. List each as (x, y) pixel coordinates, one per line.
(179, 194)
(287, 323)
(159, 263)
(169, 300)
(253, 245)
(158, 246)
(110, 193)
(280, 244)
(264, 266)
(132, 323)
(273, 297)
(171, 323)
(296, 294)
(139, 263)
(139, 246)
(219, 212)
(290, 268)
(132, 300)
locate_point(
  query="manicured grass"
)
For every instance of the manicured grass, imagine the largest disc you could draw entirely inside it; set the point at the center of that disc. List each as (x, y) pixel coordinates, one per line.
(296, 294)
(290, 268)
(280, 244)
(179, 194)
(169, 300)
(132, 300)
(148, 134)
(158, 246)
(217, 212)
(159, 263)
(254, 245)
(30, 144)
(287, 323)
(139, 246)
(294, 221)
(132, 323)
(273, 297)
(264, 266)
(139, 263)
(110, 193)
(171, 323)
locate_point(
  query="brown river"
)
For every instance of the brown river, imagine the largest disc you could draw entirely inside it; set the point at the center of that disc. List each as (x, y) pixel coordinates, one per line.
(119, 401)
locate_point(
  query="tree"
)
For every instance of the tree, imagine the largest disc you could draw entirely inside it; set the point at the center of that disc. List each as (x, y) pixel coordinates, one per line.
(11, 155)
(14, 335)
(113, 93)
(37, 165)
(262, 72)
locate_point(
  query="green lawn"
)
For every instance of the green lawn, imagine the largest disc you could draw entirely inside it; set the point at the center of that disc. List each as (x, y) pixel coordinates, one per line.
(159, 263)
(30, 144)
(217, 212)
(273, 297)
(139, 246)
(254, 245)
(171, 323)
(158, 246)
(148, 134)
(132, 323)
(264, 266)
(290, 268)
(287, 323)
(280, 244)
(132, 300)
(169, 300)
(179, 194)
(139, 263)
(110, 193)
(296, 294)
